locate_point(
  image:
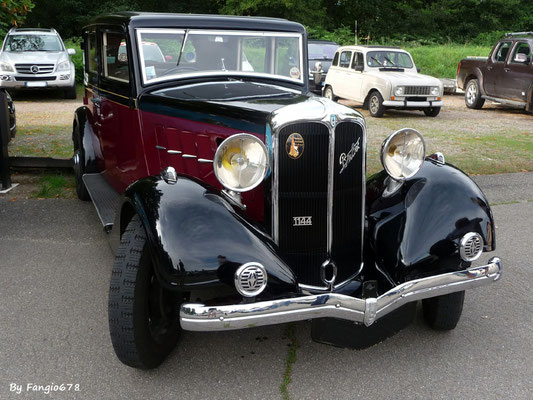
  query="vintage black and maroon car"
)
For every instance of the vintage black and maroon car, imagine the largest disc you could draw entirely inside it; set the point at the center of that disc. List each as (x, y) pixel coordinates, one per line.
(235, 199)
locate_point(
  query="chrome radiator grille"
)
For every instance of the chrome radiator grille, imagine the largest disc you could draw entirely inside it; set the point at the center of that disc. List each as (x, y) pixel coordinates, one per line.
(34, 68)
(417, 90)
(319, 210)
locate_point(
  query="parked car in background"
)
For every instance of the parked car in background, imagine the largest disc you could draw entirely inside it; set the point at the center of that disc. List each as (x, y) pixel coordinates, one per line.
(505, 76)
(33, 58)
(382, 78)
(235, 199)
(12, 116)
(320, 54)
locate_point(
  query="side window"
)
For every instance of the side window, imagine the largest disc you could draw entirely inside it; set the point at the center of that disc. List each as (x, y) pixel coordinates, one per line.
(501, 53)
(346, 57)
(91, 57)
(336, 59)
(521, 54)
(357, 60)
(115, 56)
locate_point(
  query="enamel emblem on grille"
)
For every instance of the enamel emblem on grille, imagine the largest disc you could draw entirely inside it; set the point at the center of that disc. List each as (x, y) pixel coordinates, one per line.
(250, 279)
(295, 146)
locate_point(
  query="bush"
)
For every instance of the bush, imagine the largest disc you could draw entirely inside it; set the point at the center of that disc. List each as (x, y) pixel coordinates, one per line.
(77, 59)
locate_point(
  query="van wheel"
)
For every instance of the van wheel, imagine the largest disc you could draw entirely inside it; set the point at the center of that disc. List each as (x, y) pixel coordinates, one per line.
(375, 104)
(328, 94)
(443, 312)
(78, 160)
(473, 97)
(143, 316)
(432, 111)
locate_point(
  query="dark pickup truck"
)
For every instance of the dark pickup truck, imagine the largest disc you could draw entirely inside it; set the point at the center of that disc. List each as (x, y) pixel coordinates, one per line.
(506, 76)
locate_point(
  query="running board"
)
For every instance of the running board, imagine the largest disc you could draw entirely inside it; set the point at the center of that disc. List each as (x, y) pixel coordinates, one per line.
(505, 101)
(106, 200)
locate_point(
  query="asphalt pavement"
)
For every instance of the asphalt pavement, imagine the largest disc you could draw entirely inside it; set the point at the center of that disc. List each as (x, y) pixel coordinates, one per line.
(55, 265)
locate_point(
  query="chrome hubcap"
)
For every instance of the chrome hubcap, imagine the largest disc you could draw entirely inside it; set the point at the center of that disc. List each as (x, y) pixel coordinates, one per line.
(374, 104)
(471, 94)
(328, 94)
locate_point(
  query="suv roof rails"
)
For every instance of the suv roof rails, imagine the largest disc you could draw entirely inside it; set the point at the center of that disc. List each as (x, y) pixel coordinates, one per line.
(51, 30)
(514, 34)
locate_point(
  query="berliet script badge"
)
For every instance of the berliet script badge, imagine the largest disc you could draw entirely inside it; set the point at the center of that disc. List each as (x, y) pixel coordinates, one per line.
(345, 159)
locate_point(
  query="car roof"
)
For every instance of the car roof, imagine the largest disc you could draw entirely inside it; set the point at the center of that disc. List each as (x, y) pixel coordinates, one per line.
(320, 41)
(369, 48)
(40, 31)
(167, 20)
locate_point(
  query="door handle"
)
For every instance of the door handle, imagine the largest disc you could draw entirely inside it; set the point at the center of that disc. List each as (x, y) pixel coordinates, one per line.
(96, 100)
(489, 68)
(506, 69)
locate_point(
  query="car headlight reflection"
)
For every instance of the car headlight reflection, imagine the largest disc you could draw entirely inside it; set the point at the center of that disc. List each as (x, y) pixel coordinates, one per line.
(241, 162)
(402, 153)
(399, 91)
(435, 90)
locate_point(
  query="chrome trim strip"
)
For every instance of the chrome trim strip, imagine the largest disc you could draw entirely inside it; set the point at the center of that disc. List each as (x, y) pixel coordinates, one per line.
(173, 152)
(160, 147)
(205, 161)
(331, 178)
(188, 156)
(197, 317)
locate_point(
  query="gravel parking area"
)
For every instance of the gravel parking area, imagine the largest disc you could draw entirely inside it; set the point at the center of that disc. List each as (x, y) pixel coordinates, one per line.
(494, 139)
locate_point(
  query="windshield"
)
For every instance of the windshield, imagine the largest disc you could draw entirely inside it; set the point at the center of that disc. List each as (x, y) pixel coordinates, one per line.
(169, 54)
(388, 59)
(322, 51)
(30, 42)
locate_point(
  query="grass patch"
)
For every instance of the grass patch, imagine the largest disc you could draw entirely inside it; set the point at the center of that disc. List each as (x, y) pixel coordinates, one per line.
(42, 141)
(54, 186)
(291, 359)
(441, 61)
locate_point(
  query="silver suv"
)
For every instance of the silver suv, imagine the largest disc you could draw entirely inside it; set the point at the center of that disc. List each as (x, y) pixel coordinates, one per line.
(36, 58)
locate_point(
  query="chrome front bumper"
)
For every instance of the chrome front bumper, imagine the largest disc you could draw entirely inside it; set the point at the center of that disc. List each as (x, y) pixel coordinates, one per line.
(197, 317)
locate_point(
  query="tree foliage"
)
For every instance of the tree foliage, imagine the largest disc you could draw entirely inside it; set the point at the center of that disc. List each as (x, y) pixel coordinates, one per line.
(13, 12)
(433, 21)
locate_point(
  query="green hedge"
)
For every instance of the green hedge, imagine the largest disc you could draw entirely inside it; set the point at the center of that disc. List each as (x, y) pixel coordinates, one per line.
(77, 59)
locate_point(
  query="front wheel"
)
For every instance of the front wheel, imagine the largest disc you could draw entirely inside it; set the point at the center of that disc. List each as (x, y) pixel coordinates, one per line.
(443, 312)
(473, 97)
(432, 111)
(328, 94)
(70, 93)
(143, 316)
(375, 105)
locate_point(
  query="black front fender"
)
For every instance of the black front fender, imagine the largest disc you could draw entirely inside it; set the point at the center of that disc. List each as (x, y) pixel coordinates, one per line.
(415, 232)
(91, 153)
(198, 240)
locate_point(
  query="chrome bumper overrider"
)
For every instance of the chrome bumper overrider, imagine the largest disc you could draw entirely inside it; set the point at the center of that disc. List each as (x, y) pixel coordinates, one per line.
(197, 317)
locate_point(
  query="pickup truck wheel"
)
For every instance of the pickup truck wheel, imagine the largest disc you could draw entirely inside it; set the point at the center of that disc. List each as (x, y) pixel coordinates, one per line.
(443, 312)
(432, 111)
(473, 97)
(78, 160)
(375, 104)
(328, 94)
(143, 316)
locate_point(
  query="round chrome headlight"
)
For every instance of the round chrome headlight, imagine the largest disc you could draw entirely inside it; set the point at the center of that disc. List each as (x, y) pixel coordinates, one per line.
(402, 153)
(241, 162)
(435, 91)
(399, 91)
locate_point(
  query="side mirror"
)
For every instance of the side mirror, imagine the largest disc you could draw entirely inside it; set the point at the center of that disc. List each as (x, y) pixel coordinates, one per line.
(418, 70)
(168, 58)
(71, 52)
(359, 68)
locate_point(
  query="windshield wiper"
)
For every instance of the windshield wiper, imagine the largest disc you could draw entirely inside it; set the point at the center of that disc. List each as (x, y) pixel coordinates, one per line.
(389, 60)
(376, 60)
(182, 46)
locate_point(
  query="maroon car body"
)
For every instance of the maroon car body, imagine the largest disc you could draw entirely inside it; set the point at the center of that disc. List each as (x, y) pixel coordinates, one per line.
(506, 76)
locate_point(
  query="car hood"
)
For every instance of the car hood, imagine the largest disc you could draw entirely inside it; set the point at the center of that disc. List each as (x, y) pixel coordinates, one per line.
(33, 57)
(406, 78)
